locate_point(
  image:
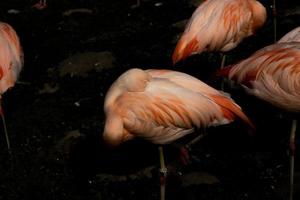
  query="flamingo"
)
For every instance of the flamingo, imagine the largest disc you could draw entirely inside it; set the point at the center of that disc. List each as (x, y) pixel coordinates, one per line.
(219, 25)
(272, 74)
(42, 4)
(162, 106)
(11, 62)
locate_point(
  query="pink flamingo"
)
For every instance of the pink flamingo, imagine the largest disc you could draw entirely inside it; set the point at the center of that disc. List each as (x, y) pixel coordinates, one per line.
(273, 75)
(219, 25)
(11, 62)
(162, 106)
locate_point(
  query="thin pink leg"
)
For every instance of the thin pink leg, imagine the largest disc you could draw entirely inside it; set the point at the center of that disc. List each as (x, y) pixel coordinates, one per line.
(184, 151)
(163, 172)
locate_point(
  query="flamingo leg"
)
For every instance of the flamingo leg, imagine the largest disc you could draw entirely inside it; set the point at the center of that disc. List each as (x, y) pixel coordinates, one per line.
(274, 20)
(292, 157)
(184, 151)
(4, 126)
(163, 171)
(223, 60)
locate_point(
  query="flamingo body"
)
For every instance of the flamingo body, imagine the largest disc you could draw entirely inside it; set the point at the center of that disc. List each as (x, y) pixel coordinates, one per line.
(11, 57)
(271, 74)
(219, 25)
(162, 106)
(292, 36)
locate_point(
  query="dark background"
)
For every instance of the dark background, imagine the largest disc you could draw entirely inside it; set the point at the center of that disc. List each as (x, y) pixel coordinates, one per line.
(55, 120)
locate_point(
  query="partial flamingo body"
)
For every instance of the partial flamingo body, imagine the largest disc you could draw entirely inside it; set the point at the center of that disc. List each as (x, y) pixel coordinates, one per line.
(271, 74)
(219, 25)
(162, 106)
(11, 57)
(11, 63)
(292, 36)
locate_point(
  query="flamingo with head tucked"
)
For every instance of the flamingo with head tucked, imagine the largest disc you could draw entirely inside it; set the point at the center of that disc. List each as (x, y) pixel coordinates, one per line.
(162, 106)
(219, 25)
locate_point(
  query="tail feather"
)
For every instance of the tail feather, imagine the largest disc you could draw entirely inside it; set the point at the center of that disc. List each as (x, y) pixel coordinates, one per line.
(231, 110)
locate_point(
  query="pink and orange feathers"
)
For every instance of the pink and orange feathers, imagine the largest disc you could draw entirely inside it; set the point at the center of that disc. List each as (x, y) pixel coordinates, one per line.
(162, 106)
(11, 57)
(292, 36)
(219, 25)
(271, 74)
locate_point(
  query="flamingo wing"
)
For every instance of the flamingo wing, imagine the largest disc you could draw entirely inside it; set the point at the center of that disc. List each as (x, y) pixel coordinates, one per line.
(166, 111)
(184, 80)
(219, 25)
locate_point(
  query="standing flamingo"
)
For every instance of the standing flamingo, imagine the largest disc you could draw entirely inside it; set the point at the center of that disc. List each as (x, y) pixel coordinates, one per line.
(273, 75)
(11, 62)
(219, 25)
(162, 106)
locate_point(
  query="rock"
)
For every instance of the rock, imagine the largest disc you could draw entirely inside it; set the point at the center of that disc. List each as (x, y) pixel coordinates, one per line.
(49, 88)
(197, 178)
(63, 146)
(109, 178)
(79, 65)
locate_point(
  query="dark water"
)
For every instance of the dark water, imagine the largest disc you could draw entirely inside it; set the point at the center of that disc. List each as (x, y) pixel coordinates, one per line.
(46, 162)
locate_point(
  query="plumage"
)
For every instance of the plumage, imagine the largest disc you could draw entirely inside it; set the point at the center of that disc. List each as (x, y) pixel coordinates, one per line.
(11, 63)
(292, 36)
(11, 57)
(219, 25)
(271, 74)
(162, 106)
